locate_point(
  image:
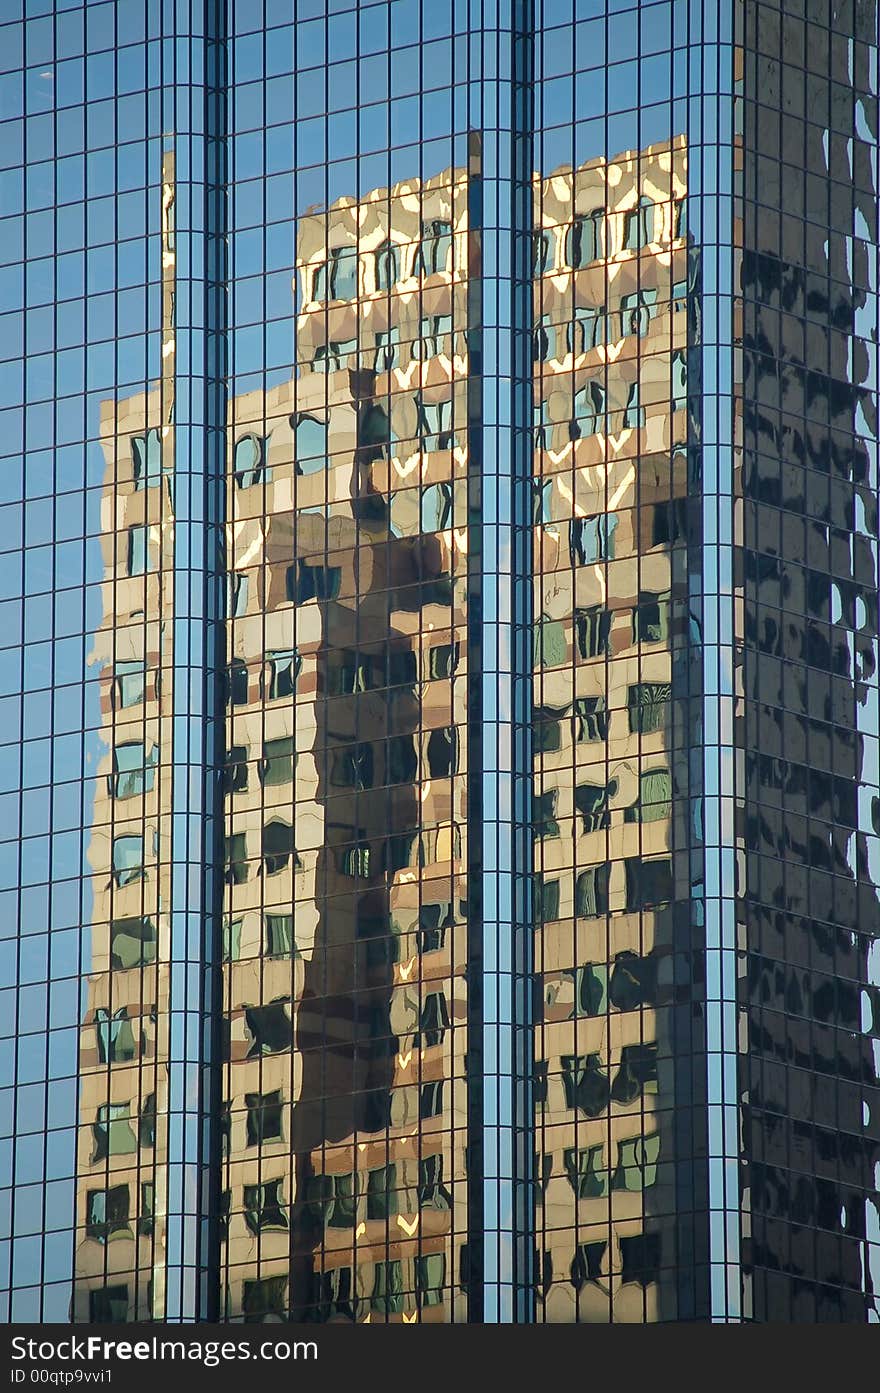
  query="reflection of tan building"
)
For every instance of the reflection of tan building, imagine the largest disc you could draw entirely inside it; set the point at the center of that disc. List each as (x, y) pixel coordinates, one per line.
(122, 1146)
(346, 782)
(611, 611)
(347, 502)
(345, 926)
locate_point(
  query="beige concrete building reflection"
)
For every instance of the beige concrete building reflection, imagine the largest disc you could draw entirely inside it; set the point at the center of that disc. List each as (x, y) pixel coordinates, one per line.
(611, 427)
(345, 929)
(345, 1174)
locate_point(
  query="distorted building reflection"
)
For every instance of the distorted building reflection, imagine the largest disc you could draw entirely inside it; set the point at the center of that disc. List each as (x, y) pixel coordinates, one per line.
(808, 811)
(346, 1005)
(612, 351)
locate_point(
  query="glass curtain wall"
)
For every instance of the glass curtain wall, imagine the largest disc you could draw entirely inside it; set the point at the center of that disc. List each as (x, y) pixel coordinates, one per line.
(439, 723)
(620, 1143)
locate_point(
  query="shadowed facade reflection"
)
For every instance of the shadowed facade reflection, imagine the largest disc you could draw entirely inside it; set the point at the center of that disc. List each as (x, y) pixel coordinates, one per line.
(807, 805)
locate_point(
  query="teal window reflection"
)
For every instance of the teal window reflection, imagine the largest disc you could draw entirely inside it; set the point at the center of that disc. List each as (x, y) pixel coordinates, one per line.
(387, 266)
(591, 719)
(589, 410)
(586, 1171)
(113, 1135)
(433, 1194)
(129, 683)
(588, 1264)
(651, 618)
(238, 586)
(543, 430)
(134, 769)
(634, 412)
(435, 248)
(382, 1192)
(435, 424)
(430, 1275)
(337, 278)
(279, 760)
(264, 1300)
(387, 348)
(128, 859)
(142, 556)
(107, 1213)
(235, 772)
(591, 990)
(679, 381)
(437, 507)
(264, 1206)
(236, 858)
(237, 683)
(146, 453)
(433, 1022)
(544, 814)
(311, 444)
(638, 225)
(387, 1294)
(637, 1159)
(281, 671)
(542, 252)
(648, 706)
(592, 539)
(231, 938)
(265, 1115)
(591, 891)
(584, 239)
(116, 1041)
(648, 882)
(333, 1199)
(434, 333)
(589, 329)
(633, 981)
(655, 797)
(635, 312)
(248, 467)
(591, 801)
(279, 936)
(148, 1208)
(307, 582)
(278, 847)
(132, 942)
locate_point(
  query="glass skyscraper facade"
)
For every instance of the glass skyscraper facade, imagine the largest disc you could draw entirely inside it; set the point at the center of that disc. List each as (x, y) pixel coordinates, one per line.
(439, 724)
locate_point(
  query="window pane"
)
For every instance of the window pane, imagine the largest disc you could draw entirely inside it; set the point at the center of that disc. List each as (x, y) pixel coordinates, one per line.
(146, 453)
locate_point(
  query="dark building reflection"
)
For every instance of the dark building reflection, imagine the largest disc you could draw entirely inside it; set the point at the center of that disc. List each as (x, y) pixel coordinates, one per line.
(808, 728)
